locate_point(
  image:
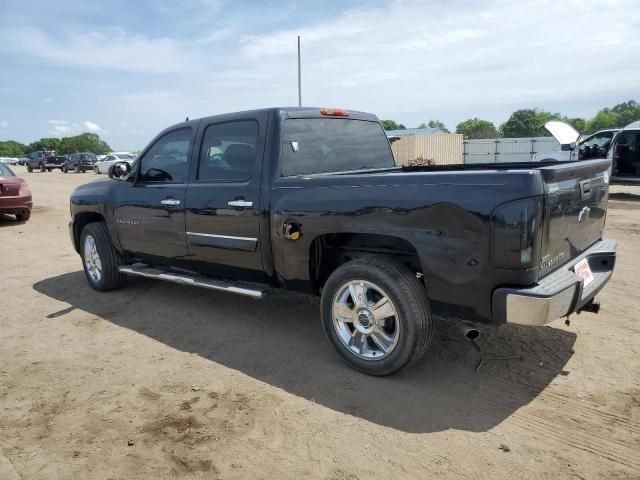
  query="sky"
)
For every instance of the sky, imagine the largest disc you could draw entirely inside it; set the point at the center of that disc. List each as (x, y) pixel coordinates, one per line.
(128, 69)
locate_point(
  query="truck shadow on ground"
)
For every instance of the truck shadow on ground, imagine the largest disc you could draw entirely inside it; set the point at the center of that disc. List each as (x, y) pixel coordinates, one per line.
(280, 341)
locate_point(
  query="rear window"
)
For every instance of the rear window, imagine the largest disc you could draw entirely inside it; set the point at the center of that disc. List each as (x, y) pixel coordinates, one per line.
(316, 145)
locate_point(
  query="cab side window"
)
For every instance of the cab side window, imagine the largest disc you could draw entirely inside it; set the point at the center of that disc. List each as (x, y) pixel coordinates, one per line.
(228, 152)
(167, 161)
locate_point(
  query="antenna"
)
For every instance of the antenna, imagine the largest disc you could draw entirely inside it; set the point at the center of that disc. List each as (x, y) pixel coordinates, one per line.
(299, 76)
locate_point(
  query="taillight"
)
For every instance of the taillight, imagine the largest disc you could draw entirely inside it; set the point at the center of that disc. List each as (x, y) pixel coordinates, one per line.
(334, 112)
(24, 189)
(515, 239)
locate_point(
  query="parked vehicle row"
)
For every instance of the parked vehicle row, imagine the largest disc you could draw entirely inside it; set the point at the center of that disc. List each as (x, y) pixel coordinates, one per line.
(47, 160)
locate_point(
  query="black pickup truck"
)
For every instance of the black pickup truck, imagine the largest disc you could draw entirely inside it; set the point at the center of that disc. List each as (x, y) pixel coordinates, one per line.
(311, 200)
(45, 160)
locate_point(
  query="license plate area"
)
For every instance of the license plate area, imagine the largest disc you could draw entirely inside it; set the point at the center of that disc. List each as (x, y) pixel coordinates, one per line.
(583, 270)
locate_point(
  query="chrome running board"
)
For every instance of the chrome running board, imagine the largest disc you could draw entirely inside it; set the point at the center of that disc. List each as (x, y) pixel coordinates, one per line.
(141, 270)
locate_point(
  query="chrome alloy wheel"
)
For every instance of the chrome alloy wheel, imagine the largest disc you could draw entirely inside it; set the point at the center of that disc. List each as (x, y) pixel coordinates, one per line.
(365, 320)
(92, 259)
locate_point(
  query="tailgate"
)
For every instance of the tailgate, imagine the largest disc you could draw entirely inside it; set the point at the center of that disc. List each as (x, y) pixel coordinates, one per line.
(574, 210)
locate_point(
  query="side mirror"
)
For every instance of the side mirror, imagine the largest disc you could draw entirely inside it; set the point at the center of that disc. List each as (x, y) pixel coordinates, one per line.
(119, 170)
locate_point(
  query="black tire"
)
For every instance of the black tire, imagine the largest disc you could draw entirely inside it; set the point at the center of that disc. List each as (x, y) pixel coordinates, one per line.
(49, 169)
(110, 259)
(64, 169)
(23, 216)
(77, 168)
(83, 170)
(409, 297)
(29, 169)
(43, 168)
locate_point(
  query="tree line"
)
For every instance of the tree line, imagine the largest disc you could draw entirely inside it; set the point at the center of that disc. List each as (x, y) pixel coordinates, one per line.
(529, 122)
(85, 142)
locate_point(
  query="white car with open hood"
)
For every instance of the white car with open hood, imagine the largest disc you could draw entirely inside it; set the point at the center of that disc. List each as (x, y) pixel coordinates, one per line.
(621, 146)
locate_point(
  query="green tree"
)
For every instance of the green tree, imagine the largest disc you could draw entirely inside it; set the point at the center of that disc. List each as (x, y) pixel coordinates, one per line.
(47, 143)
(477, 128)
(435, 124)
(618, 116)
(12, 148)
(580, 124)
(85, 142)
(528, 122)
(392, 125)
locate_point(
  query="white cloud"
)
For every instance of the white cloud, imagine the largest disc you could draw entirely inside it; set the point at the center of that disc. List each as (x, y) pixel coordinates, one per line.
(92, 127)
(48, 100)
(4, 124)
(410, 59)
(113, 49)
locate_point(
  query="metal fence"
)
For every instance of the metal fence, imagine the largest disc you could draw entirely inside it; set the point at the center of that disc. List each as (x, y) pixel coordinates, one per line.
(500, 150)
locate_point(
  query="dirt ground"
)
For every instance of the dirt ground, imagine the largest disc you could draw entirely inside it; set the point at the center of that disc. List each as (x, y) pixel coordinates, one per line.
(166, 381)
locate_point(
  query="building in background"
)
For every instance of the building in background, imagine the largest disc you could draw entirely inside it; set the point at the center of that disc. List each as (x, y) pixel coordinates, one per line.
(426, 145)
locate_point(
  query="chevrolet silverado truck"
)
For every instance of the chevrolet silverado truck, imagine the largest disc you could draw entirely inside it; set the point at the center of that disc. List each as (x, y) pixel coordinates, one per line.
(311, 200)
(45, 160)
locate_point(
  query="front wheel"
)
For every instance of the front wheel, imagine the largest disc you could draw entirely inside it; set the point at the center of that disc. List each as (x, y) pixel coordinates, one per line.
(29, 168)
(77, 168)
(100, 259)
(42, 167)
(65, 169)
(377, 316)
(96, 170)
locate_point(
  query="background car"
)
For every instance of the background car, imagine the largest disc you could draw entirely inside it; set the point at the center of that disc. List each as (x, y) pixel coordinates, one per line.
(589, 146)
(103, 165)
(15, 194)
(79, 162)
(45, 160)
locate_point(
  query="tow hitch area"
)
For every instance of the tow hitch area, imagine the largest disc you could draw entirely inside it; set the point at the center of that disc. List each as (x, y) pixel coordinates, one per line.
(591, 306)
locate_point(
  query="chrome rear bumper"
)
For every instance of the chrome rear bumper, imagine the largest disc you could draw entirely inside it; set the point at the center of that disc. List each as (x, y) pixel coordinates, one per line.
(559, 293)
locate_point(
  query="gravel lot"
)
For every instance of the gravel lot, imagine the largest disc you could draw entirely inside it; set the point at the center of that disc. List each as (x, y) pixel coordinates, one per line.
(164, 381)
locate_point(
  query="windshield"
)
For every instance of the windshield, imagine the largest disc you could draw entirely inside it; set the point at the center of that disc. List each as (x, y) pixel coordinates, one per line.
(315, 145)
(5, 171)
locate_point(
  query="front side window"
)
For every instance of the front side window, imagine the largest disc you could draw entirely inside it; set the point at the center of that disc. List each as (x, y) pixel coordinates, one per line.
(167, 160)
(228, 152)
(315, 145)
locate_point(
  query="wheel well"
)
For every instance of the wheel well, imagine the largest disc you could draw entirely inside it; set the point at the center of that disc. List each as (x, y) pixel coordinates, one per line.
(82, 220)
(329, 251)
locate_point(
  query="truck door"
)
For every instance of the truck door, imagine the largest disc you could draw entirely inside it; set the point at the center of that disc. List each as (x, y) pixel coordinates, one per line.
(149, 210)
(223, 198)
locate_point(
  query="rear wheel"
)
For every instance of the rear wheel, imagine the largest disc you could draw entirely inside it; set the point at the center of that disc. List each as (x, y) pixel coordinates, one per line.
(376, 314)
(29, 168)
(65, 169)
(42, 167)
(23, 216)
(100, 259)
(77, 168)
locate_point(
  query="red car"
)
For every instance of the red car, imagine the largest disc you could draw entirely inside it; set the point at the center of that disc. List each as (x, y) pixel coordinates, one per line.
(15, 194)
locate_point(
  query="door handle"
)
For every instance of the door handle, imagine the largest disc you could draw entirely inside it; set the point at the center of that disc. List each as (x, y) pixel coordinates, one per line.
(240, 203)
(170, 201)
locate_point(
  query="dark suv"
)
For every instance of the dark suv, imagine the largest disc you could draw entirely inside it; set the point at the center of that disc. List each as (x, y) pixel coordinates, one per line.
(80, 162)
